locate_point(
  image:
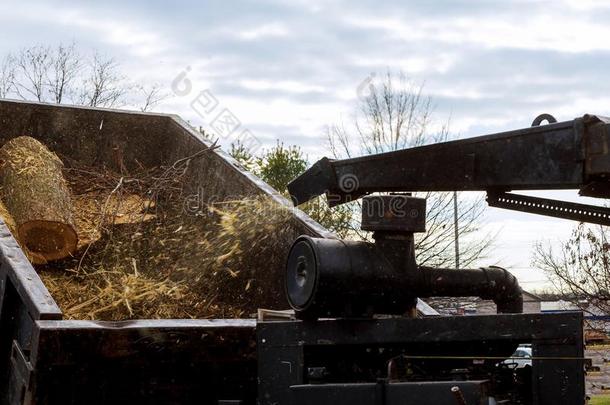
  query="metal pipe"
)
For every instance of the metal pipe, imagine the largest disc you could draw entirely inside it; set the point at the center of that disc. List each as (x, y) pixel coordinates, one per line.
(493, 283)
(338, 278)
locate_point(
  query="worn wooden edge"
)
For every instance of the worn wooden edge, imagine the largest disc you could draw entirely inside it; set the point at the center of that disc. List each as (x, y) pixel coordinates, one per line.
(21, 274)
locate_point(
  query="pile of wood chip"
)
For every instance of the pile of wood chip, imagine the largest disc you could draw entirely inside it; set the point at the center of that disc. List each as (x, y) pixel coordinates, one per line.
(141, 255)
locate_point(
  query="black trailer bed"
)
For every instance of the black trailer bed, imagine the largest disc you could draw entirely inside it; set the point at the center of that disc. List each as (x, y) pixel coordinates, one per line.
(45, 359)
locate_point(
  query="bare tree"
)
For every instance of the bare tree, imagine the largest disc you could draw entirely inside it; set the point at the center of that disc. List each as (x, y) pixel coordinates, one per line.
(43, 73)
(152, 95)
(7, 75)
(32, 67)
(65, 69)
(62, 74)
(579, 268)
(104, 86)
(395, 114)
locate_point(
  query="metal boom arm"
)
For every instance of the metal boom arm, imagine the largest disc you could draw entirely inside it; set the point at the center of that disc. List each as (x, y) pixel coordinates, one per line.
(567, 155)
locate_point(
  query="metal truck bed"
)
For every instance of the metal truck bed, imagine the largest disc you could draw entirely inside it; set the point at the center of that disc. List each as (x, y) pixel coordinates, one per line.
(44, 359)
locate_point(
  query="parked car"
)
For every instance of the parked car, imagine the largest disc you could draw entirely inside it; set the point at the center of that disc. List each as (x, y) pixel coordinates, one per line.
(521, 357)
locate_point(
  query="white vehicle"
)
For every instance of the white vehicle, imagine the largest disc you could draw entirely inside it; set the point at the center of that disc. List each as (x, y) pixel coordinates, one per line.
(521, 357)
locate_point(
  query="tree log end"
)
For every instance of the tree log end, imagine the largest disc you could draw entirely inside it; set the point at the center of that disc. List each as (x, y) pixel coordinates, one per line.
(48, 240)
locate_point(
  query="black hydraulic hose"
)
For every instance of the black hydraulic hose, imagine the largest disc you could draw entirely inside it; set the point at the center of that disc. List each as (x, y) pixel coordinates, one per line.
(491, 283)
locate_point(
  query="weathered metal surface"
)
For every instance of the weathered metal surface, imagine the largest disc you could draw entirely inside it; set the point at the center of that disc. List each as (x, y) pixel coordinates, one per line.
(85, 354)
(127, 140)
(421, 393)
(158, 361)
(16, 268)
(518, 327)
(287, 350)
(568, 155)
(552, 208)
(393, 213)
(23, 300)
(343, 278)
(48, 360)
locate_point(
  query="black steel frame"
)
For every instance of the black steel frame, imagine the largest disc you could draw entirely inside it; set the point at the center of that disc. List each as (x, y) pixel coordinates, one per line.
(557, 342)
(565, 155)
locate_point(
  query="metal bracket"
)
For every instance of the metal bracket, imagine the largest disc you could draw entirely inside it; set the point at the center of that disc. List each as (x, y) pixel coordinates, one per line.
(21, 374)
(553, 208)
(543, 117)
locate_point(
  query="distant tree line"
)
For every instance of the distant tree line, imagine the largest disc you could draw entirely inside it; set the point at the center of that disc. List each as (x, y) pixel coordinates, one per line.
(63, 74)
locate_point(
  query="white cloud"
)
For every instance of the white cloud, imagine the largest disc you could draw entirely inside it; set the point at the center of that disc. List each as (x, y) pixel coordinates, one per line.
(273, 30)
(557, 31)
(289, 86)
(439, 62)
(137, 40)
(131, 36)
(587, 5)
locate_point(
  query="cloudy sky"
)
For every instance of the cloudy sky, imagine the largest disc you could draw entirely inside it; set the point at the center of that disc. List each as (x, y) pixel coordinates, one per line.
(286, 69)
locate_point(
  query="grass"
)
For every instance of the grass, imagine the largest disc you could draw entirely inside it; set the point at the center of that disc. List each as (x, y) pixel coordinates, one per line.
(600, 400)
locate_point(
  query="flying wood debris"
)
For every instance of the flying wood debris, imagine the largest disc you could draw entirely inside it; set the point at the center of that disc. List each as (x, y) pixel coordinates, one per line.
(148, 258)
(141, 255)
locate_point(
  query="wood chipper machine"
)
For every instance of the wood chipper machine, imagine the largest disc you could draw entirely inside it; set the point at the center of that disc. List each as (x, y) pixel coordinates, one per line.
(354, 336)
(359, 357)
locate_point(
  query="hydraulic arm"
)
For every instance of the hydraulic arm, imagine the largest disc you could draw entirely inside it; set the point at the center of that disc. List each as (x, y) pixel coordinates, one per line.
(567, 155)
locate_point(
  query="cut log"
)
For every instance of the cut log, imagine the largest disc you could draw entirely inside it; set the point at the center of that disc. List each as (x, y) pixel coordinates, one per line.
(12, 226)
(38, 199)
